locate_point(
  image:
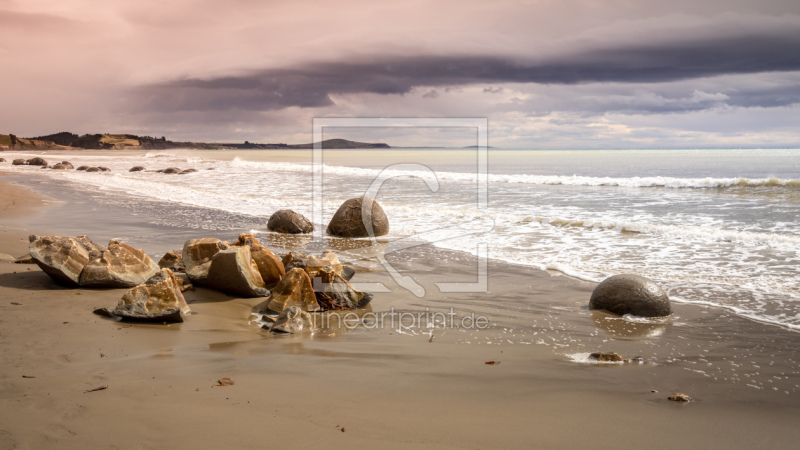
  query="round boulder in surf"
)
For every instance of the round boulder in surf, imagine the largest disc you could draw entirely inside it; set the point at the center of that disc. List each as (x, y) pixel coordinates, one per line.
(288, 221)
(356, 216)
(630, 294)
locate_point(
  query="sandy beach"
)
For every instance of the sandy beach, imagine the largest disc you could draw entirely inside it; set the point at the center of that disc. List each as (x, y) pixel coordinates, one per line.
(388, 387)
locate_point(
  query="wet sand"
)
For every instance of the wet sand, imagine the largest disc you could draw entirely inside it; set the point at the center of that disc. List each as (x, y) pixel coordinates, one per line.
(389, 387)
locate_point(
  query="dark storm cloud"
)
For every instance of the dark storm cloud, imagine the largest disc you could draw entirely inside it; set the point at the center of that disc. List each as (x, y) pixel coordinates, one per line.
(311, 85)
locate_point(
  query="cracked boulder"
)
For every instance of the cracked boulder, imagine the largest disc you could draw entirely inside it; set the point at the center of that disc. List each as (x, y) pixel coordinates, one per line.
(294, 289)
(335, 293)
(120, 266)
(234, 271)
(63, 257)
(269, 266)
(197, 255)
(159, 299)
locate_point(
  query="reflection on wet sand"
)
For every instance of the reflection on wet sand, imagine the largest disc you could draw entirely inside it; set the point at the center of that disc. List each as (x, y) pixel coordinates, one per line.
(624, 328)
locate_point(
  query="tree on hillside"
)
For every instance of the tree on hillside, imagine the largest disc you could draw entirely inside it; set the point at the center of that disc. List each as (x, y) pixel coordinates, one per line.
(13, 140)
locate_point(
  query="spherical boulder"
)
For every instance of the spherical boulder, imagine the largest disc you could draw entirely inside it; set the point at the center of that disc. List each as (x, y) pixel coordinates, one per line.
(288, 221)
(630, 294)
(349, 221)
(19, 162)
(136, 169)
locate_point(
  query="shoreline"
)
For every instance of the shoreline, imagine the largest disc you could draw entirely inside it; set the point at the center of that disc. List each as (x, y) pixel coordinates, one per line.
(386, 388)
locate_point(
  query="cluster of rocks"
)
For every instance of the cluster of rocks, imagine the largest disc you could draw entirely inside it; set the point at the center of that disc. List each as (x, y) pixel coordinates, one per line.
(243, 268)
(63, 165)
(94, 169)
(37, 161)
(168, 170)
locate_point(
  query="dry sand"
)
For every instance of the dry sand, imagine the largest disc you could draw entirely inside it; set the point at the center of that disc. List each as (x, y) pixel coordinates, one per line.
(378, 388)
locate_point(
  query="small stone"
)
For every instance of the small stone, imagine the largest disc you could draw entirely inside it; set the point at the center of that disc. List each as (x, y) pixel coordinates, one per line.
(606, 357)
(678, 397)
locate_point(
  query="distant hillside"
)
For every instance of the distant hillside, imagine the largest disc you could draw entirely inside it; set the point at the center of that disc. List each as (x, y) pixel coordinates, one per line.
(342, 143)
(119, 142)
(67, 140)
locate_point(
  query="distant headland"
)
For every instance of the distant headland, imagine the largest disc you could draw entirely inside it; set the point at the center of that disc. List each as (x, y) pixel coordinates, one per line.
(68, 141)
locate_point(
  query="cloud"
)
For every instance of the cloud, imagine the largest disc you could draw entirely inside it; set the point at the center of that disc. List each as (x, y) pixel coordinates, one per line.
(311, 85)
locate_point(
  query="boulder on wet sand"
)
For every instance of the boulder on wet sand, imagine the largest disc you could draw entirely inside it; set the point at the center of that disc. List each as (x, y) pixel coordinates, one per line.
(136, 169)
(63, 258)
(292, 320)
(234, 271)
(294, 289)
(93, 169)
(19, 162)
(349, 222)
(197, 255)
(120, 266)
(269, 266)
(104, 169)
(36, 162)
(82, 168)
(334, 292)
(172, 260)
(2, 160)
(630, 294)
(184, 172)
(159, 299)
(170, 170)
(288, 221)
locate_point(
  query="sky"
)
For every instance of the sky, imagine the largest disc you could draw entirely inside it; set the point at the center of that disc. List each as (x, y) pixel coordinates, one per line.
(546, 74)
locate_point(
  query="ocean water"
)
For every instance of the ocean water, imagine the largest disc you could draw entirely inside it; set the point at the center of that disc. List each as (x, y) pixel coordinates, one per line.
(713, 227)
